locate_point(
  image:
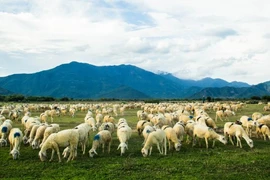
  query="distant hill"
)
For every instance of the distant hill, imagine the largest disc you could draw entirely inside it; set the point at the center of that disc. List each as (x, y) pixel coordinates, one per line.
(261, 89)
(5, 92)
(205, 82)
(82, 80)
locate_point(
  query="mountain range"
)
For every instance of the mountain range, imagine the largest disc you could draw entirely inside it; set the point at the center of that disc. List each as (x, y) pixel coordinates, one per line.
(86, 81)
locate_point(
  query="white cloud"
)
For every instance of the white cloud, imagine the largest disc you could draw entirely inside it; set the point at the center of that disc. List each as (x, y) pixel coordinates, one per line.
(192, 39)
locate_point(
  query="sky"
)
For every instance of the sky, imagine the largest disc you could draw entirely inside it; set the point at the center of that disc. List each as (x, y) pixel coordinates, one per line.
(192, 39)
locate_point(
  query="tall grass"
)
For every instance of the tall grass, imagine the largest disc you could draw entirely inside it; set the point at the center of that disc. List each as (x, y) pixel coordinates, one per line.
(220, 162)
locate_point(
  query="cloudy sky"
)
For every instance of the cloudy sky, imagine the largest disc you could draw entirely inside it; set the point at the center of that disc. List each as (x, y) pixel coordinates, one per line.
(192, 39)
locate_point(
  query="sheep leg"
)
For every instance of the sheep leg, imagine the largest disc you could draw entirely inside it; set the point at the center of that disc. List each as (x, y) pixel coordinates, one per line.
(150, 150)
(230, 137)
(165, 146)
(213, 143)
(109, 147)
(206, 142)
(158, 147)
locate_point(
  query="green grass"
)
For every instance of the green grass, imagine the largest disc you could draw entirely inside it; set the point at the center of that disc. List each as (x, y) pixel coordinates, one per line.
(220, 162)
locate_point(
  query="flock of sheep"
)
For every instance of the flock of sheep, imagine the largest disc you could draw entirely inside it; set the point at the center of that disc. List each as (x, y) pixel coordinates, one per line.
(164, 125)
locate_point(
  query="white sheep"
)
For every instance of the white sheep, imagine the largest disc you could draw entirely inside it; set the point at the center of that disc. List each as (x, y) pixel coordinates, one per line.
(189, 130)
(263, 130)
(123, 134)
(146, 131)
(236, 130)
(64, 138)
(84, 132)
(33, 133)
(157, 137)
(256, 115)
(107, 126)
(264, 120)
(141, 124)
(43, 133)
(248, 124)
(99, 119)
(202, 131)
(92, 122)
(103, 138)
(172, 137)
(179, 129)
(39, 136)
(15, 139)
(4, 132)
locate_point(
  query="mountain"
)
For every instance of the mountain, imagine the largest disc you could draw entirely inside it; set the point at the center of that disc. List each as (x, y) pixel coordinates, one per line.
(81, 80)
(261, 89)
(5, 92)
(205, 82)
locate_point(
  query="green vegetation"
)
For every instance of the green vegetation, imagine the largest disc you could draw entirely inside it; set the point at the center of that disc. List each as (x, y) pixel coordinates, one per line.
(221, 162)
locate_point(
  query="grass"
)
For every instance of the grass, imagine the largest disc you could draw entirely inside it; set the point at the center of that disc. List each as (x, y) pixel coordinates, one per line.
(220, 162)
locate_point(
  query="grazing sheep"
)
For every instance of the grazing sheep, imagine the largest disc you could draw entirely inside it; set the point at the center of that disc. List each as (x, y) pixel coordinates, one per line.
(64, 138)
(33, 133)
(92, 122)
(99, 119)
(141, 125)
(157, 137)
(158, 120)
(25, 117)
(43, 117)
(146, 131)
(264, 120)
(256, 115)
(123, 134)
(142, 115)
(179, 129)
(202, 131)
(30, 122)
(15, 139)
(103, 138)
(107, 126)
(108, 118)
(39, 135)
(84, 132)
(4, 132)
(232, 129)
(172, 138)
(248, 124)
(43, 133)
(263, 130)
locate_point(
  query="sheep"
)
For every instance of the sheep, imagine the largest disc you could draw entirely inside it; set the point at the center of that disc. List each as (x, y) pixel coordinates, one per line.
(39, 135)
(123, 134)
(15, 139)
(226, 114)
(202, 131)
(157, 137)
(179, 129)
(43, 117)
(172, 137)
(141, 125)
(25, 117)
(33, 133)
(248, 124)
(30, 122)
(189, 130)
(141, 115)
(92, 122)
(103, 138)
(232, 129)
(43, 133)
(158, 120)
(64, 138)
(264, 120)
(4, 132)
(121, 121)
(146, 131)
(263, 130)
(99, 119)
(84, 131)
(108, 118)
(256, 115)
(107, 126)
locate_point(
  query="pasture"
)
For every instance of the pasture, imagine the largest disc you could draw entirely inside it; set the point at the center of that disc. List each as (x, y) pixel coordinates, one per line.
(221, 162)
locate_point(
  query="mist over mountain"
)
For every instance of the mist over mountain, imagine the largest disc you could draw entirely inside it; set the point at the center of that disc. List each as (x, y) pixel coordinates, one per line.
(82, 80)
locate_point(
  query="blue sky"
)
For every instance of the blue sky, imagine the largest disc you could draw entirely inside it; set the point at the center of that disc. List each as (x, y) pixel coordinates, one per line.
(191, 39)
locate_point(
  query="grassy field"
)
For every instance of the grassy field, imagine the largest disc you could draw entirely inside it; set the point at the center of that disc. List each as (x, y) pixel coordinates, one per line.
(220, 162)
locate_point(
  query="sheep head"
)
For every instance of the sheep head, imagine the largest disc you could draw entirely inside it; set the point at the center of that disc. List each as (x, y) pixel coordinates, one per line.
(42, 155)
(222, 139)
(144, 152)
(123, 147)
(3, 143)
(250, 143)
(15, 154)
(92, 152)
(177, 146)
